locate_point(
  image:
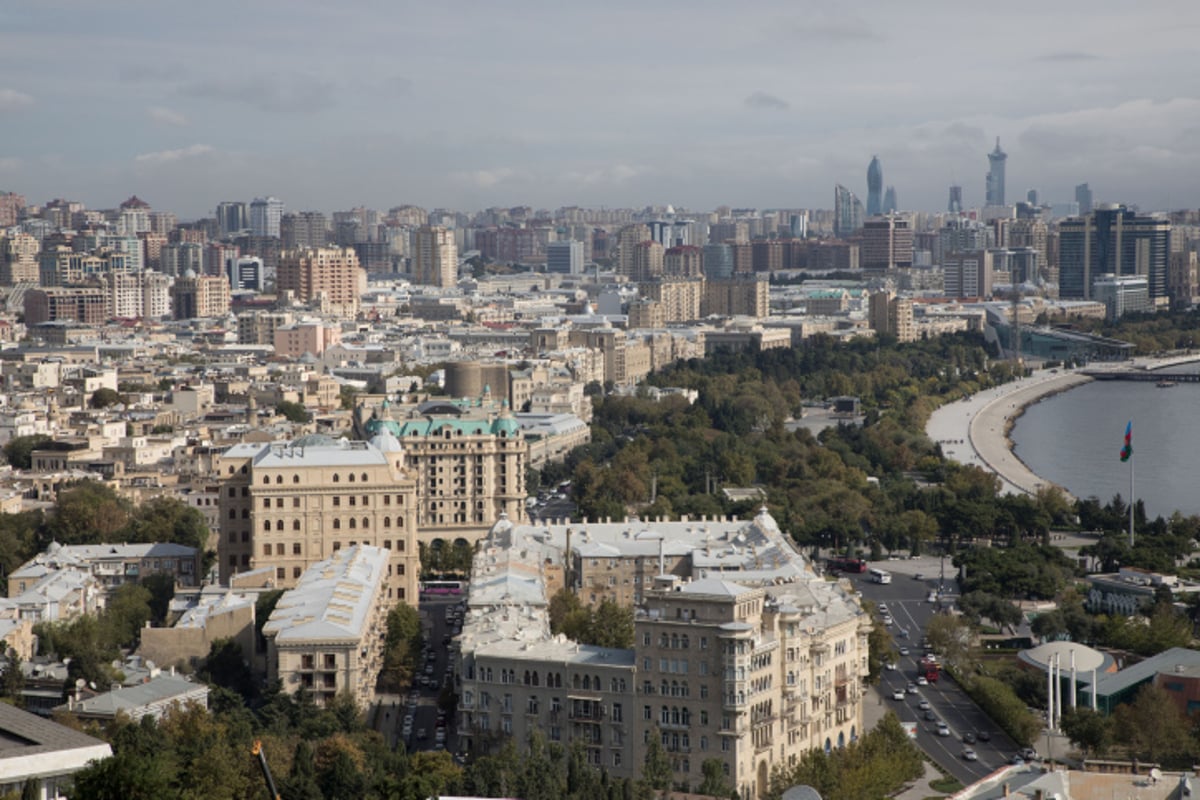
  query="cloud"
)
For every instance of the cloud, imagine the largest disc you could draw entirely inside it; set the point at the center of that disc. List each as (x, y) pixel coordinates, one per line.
(485, 178)
(298, 94)
(1068, 55)
(765, 100)
(151, 73)
(9, 164)
(610, 174)
(823, 28)
(165, 116)
(171, 156)
(11, 100)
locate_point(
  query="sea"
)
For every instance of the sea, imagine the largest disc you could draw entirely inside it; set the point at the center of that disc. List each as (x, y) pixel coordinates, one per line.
(1074, 439)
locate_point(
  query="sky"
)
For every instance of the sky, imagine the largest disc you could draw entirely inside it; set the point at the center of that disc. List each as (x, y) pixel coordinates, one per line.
(625, 103)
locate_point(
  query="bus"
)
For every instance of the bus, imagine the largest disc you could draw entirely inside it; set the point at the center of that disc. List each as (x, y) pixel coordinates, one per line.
(854, 565)
(929, 667)
(441, 588)
(879, 575)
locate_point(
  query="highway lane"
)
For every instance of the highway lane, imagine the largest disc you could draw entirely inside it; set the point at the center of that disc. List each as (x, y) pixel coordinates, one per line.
(911, 612)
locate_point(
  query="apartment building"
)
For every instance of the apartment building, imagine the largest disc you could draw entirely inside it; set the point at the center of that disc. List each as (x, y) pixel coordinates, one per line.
(290, 505)
(740, 654)
(329, 276)
(326, 635)
(468, 459)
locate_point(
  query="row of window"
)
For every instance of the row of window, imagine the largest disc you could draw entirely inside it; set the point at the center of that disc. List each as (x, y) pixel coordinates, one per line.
(296, 478)
(352, 523)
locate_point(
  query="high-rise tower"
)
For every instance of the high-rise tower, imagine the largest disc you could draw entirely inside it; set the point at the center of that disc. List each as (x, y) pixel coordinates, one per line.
(874, 188)
(955, 205)
(1083, 196)
(995, 176)
(889, 200)
(847, 212)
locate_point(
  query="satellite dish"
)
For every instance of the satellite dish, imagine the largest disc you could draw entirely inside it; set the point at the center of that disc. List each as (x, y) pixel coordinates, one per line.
(801, 792)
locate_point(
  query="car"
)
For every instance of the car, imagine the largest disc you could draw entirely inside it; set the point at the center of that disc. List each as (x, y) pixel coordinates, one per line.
(920, 576)
(968, 738)
(903, 651)
(883, 609)
(930, 716)
(922, 680)
(924, 705)
(911, 688)
(984, 736)
(1016, 761)
(943, 729)
(1029, 754)
(970, 755)
(931, 597)
(898, 694)
(891, 665)
(904, 633)
(422, 734)
(887, 620)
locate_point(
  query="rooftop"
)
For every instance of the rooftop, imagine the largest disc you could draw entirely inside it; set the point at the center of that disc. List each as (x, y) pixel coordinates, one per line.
(331, 599)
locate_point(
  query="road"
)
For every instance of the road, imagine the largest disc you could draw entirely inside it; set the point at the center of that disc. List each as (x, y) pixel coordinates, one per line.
(433, 622)
(906, 600)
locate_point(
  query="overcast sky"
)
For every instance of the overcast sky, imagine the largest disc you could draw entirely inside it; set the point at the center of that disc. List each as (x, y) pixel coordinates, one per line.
(465, 104)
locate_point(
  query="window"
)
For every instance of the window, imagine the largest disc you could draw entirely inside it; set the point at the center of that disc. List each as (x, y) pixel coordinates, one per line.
(295, 524)
(280, 573)
(364, 477)
(387, 522)
(337, 524)
(616, 712)
(646, 639)
(295, 479)
(266, 502)
(335, 477)
(267, 525)
(337, 501)
(647, 714)
(295, 548)
(266, 549)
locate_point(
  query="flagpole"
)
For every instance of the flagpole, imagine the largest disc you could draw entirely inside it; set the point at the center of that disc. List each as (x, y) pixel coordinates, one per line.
(1132, 500)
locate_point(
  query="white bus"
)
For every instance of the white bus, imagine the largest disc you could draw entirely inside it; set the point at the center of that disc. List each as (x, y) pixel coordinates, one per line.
(879, 575)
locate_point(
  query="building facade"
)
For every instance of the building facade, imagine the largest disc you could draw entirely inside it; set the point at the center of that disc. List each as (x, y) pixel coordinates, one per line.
(1113, 240)
(329, 276)
(289, 506)
(995, 178)
(434, 256)
(887, 243)
(326, 634)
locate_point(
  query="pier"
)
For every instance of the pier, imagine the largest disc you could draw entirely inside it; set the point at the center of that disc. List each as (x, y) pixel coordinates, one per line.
(1156, 376)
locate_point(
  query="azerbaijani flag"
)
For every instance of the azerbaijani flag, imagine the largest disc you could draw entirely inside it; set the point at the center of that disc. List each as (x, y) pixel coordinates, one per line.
(1127, 450)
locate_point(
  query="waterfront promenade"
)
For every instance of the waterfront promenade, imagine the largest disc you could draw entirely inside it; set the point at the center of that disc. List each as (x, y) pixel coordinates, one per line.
(974, 430)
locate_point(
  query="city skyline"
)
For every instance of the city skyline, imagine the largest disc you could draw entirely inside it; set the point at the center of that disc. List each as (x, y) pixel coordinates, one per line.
(549, 106)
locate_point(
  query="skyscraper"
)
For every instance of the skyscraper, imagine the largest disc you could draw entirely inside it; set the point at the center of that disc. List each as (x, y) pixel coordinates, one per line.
(265, 215)
(1032, 197)
(887, 243)
(1112, 240)
(231, 217)
(565, 257)
(995, 176)
(1083, 196)
(847, 212)
(955, 205)
(889, 200)
(434, 256)
(874, 188)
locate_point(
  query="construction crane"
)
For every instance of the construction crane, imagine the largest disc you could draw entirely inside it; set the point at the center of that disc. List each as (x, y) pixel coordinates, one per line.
(257, 750)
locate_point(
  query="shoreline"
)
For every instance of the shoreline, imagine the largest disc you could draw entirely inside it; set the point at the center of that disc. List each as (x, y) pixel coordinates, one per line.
(976, 430)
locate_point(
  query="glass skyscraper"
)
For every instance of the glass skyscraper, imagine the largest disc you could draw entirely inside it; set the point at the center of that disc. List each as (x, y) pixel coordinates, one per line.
(874, 188)
(995, 176)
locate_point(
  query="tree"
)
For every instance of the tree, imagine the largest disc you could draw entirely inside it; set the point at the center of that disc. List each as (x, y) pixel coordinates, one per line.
(656, 769)
(293, 412)
(19, 450)
(1000, 702)
(226, 666)
(87, 513)
(161, 586)
(951, 636)
(1153, 727)
(127, 613)
(12, 680)
(1089, 730)
(715, 783)
(611, 625)
(105, 397)
(568, 615)
(346, 397)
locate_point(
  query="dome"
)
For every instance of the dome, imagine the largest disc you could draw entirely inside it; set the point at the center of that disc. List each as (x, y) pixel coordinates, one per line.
(506, 424)
(386, 442)
(1086, 658)
(375, 425)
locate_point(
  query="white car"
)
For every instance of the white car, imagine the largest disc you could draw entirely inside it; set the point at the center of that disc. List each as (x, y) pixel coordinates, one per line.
(943, 729)
(898, 694)
(922, 680)
(891, 665)
(970, 755)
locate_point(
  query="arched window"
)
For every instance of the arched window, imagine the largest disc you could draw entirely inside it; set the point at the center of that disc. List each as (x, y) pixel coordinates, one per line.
(364, 477)
(278, 524)
(267, 525)
(266, 479)
(295, 524)
(366, 523)
(351, 478)
(387, 522)
(335, 477)
(337, 524)
(278, 479)
(664, 715)
(295, 479)
(535, 678)
(587, 682)
(353, 524)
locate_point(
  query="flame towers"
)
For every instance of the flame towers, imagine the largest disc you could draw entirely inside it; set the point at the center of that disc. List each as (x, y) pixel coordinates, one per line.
(874, 188)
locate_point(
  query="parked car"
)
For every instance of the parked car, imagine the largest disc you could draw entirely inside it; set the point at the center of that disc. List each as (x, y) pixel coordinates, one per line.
(984, 736)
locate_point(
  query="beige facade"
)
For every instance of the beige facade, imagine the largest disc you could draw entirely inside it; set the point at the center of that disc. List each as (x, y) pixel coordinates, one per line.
(893, 315)
(744, 296)
(289, 506)
(330, 276)
(326, 635)
(200, 297)
(293, 341)
(434, 256)
(680, 298)
(753, 674)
